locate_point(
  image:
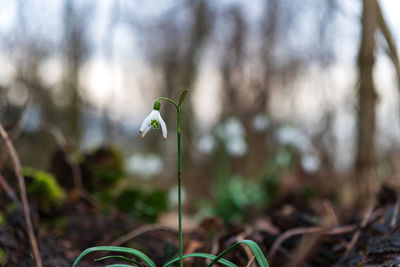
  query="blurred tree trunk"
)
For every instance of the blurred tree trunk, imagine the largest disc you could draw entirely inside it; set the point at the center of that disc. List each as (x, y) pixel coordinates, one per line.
(200, 31)
(365, 165)
(232, 64)
(269, 35)
(233, 81)
(391, 49)
(177, 54)
(109, 131)
(180, 63)
(74, 50)
(259, 149)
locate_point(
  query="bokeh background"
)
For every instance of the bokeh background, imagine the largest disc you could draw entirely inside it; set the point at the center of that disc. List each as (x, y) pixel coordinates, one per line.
(272, 114)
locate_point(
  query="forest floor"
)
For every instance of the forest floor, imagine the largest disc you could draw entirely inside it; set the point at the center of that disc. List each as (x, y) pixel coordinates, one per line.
(288, 236)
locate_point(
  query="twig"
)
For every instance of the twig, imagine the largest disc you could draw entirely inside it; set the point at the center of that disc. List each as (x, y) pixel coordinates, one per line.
(395, 213)
(7, 188)
(330, 212)
(250, 262)
(15, 132)
(63, 145)
(214, 245)
(240, 237)
(139, 231)
(391, 49)
(289, 256)
(307, 230)
(316, 229)
(307, 243)
(305, 248)
(356, 235)
(24, 199)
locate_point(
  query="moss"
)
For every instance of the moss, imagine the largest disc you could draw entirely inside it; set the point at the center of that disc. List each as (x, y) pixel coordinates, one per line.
(44, 188)
(3, 257)
(142, 204)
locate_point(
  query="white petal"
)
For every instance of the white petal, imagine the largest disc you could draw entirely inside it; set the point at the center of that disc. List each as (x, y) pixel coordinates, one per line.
(146, 130)
(163, 126)
(156, 114)
(146, 122)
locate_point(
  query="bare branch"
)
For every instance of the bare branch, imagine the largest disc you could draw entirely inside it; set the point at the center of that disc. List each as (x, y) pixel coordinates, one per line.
(318, 229)
(63, 145)
(7, 188)
(391, 50)
(139, 231)
(307, 230)
(393, 222)
(357, 234)
(24, 199)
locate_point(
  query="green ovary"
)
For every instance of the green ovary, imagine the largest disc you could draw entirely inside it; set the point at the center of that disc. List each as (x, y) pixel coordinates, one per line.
(155, 124)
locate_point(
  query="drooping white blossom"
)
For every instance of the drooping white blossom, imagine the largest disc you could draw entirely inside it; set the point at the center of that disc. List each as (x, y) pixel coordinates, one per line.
(153, 120)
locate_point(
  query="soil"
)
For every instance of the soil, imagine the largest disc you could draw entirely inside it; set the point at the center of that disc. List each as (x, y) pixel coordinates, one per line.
(64, 233)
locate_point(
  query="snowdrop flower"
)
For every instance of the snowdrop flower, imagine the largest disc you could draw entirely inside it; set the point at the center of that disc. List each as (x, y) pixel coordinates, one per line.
(154, 120)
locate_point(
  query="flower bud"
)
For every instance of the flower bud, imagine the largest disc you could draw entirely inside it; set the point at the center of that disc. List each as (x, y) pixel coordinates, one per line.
(157, 105)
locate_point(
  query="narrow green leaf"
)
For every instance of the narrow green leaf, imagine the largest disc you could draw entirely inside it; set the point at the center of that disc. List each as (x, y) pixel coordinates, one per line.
(203, 255)
(183, 95)
(255, 249)
(120, 257)
(119, 265)
(130, 251)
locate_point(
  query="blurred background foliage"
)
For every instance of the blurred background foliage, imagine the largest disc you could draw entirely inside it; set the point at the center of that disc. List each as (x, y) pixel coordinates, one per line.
(272, 114)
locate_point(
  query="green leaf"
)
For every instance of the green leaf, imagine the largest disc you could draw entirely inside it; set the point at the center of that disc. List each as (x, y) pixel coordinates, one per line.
(183, 95)
(130, 251)
(120, 257)
(255, 249)
(119, 265)
(203, 255)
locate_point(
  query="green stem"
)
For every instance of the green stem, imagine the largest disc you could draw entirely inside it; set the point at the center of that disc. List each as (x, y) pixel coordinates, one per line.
(179, 189)
(169, 100)
(178, 109)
